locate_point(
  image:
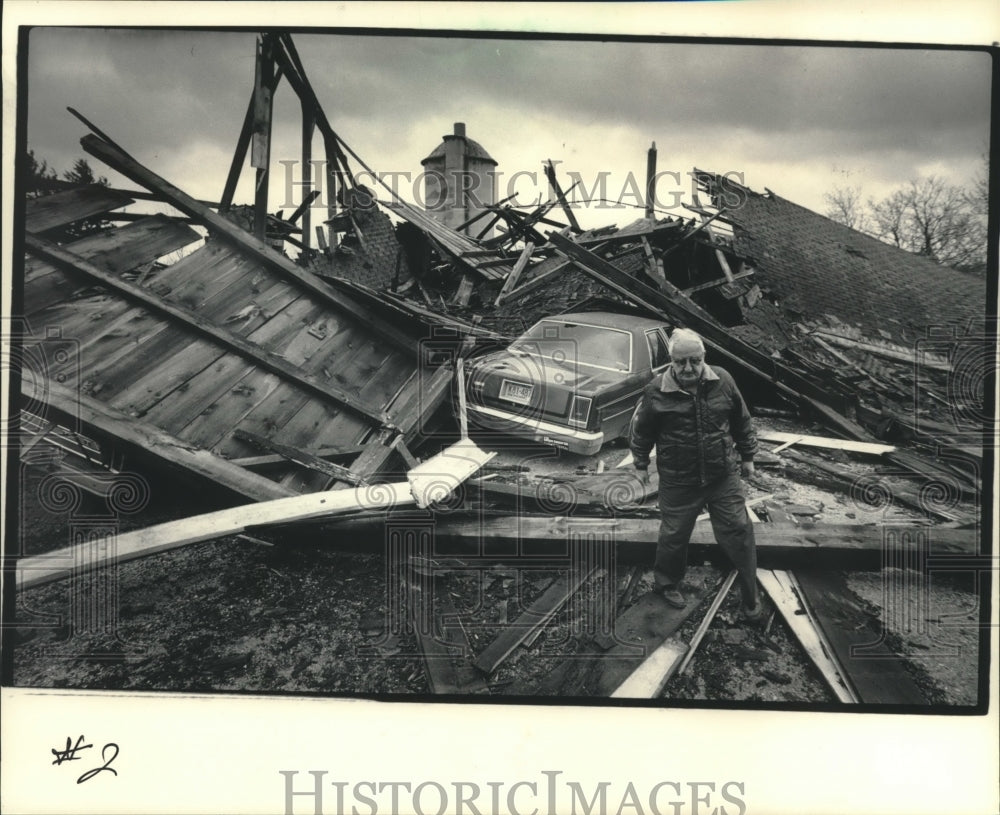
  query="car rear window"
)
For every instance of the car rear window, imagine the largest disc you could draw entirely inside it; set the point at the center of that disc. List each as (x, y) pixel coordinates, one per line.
(569, 343)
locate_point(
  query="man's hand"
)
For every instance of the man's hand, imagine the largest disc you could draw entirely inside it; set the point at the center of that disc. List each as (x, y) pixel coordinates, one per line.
(643, 475)
(747, 469)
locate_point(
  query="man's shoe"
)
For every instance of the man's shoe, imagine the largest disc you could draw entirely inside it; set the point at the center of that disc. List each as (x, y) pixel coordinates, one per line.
(672, 596)
(755, 614)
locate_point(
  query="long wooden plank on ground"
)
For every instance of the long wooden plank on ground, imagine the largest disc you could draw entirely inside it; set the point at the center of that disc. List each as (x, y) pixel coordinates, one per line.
(174, 534)
(64, 208)
(116, 158)
(773, 540)
(706, 621)
(222, 336)
(533, 618)
(651, 677)
(781, 588)
(432, 480)
(877, 673)
(445, 647)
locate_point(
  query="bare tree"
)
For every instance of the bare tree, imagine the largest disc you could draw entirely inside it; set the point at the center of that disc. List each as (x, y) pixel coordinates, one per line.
(927, 216)
(845, 206)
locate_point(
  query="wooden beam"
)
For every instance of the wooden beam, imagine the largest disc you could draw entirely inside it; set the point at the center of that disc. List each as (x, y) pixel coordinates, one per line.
(115, 157)
(713, 334)
(784, 592)
(535, 616)
(108, 423)
(240, 153)
(293, 454)
(515, 273)
(774, 541)
(699, 634)
(651, 182)
(308, 193)
(874, 670)
(272, 459)
(889, 352)
(550, 174)
(827, 443)
(651, 677)
(163, 537)
(711, 284)
(260, 143)
(227, 339)
(65, 208)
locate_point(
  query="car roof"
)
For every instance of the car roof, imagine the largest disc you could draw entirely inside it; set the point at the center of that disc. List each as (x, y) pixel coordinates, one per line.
(607, 318)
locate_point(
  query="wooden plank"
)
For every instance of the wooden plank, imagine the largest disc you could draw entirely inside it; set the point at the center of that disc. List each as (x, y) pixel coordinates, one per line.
(273, 459)
(515, 273)
(117, 251)
(533, 618)
(783, 591)
(227, 377)
(174, 534)
(151, 441)
(824, 442)
(223, 337)
(699, 634)
(296, 456)
(774, 540)
(444, 644)
(116, 158)
(550, 174)
(877, 673)
(893, 352)
(64, 208)
(651, 677)
(711, 284)
(447, 469)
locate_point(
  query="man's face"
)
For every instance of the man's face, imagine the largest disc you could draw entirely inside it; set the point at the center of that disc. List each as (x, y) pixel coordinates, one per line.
(689, 362)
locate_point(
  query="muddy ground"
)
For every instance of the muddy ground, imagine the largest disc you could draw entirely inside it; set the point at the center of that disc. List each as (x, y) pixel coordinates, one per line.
(288, 612)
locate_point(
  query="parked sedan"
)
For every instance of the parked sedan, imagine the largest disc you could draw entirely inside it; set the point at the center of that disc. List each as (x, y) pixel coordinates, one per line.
(571, 381)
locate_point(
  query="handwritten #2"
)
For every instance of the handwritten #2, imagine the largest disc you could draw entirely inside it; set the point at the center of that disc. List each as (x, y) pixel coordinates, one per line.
(70, 754)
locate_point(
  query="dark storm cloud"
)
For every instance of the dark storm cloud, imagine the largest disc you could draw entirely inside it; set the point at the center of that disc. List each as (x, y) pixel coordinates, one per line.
(163, 93)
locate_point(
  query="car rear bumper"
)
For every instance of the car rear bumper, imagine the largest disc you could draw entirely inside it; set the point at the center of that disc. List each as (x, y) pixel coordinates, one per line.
(576, 441)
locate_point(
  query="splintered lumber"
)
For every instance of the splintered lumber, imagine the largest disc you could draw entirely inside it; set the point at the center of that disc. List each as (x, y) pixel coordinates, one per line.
(117, 159)
(64, 208)
(272, 459)
(783, 590)
(98, 419)
(533, 618)
(775, 541)
(442, 640)
(515, 273)
(894, 352)
(650, 678)
(699, 634)
(190, 319)
(821, 441)
(433, 480)
(299, 457)
(875, 671)
(550, 174)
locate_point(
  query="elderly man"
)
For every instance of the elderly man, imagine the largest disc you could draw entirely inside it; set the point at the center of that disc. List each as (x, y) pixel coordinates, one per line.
(704, 436)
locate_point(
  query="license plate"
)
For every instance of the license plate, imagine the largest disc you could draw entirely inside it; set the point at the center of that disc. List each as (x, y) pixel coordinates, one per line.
(516, 392)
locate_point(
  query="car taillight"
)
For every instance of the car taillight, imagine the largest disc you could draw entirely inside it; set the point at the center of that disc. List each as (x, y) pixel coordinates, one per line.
(580, 410)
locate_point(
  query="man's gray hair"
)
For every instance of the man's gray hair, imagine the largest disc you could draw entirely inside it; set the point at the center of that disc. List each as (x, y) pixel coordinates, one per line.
(684, 335)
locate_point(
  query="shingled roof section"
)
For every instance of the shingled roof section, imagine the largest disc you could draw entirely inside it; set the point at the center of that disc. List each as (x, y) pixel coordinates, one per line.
(811, 266)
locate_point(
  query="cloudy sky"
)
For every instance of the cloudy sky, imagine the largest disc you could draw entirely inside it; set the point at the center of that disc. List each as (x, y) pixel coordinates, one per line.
(799, 120)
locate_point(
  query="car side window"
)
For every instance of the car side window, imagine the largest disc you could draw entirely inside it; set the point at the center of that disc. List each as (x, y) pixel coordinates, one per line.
(658, 353)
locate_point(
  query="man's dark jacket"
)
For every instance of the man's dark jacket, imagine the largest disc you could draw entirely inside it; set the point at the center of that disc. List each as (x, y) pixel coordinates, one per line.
(699, 437)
